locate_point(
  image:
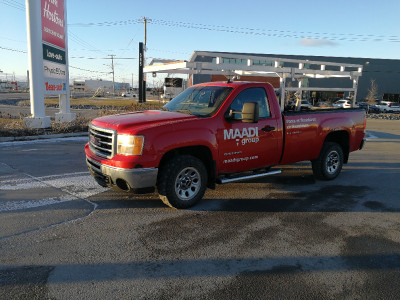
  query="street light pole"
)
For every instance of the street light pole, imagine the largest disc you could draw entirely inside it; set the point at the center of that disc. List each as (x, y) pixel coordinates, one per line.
(144, 57)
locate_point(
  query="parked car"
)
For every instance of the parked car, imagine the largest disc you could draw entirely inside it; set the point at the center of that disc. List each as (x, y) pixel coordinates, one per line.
(388, 106)
(369, 108)
(395, 107)
(323, 104)
(305, 104)
(128, 95)
(344, 103)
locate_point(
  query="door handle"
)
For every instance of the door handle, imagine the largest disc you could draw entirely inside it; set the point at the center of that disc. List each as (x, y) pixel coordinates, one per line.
(268, 128)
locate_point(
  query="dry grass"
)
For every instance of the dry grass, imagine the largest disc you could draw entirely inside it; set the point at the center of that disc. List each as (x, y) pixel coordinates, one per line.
(98, 102)
(14, 126)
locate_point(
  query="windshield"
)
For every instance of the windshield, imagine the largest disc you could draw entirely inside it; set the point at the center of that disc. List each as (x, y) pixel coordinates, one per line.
(202, 101)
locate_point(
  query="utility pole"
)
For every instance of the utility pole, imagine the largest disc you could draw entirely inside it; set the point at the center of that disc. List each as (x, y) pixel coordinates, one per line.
(112, 67)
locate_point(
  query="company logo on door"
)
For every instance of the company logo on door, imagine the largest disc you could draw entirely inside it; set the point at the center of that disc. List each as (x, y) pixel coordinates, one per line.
(244, 136)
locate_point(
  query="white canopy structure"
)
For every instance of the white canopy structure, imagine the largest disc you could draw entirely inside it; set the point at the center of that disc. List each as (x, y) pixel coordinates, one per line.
(230, 64)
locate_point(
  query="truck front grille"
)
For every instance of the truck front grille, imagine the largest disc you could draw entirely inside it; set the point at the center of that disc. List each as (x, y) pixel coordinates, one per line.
(102, 141)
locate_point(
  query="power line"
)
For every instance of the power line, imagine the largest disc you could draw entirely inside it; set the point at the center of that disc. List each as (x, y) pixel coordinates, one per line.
(134, 58)
(278, 33)
(113, 23)
(13, 4)
(115, 58)
(13, 50)
(82, 42)
(86, 70)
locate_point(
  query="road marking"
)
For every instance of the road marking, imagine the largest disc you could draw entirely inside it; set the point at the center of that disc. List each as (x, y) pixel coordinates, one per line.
(72, 186)
(369, 136)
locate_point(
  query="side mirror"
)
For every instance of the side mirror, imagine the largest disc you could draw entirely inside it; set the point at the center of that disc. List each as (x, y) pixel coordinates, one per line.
(250, 112)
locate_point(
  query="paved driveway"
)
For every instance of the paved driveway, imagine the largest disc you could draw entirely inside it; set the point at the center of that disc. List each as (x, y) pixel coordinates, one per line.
(286, 236)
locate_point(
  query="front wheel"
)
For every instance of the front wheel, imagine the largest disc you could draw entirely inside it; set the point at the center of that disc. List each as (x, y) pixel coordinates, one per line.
(329, 163)
(182, 181)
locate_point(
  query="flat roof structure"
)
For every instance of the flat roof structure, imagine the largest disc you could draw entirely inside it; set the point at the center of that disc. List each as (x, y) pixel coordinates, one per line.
(236, 65)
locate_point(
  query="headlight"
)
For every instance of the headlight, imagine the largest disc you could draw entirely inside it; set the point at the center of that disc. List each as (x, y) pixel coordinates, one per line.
(130, 144)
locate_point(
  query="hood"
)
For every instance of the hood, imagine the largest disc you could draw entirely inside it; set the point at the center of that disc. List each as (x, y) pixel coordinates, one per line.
(139, 119)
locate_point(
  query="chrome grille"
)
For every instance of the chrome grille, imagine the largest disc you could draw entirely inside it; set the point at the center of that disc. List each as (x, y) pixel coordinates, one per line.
(102, 141)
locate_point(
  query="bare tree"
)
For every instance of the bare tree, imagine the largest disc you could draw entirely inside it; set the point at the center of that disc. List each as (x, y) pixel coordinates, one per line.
(372, 92)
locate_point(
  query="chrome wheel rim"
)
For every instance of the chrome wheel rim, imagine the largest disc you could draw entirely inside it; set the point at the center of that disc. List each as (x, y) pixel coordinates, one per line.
(332, 162)
(187, 184)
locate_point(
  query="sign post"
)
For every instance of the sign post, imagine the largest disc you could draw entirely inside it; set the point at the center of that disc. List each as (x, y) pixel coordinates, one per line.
(36, 82)
(48, 57)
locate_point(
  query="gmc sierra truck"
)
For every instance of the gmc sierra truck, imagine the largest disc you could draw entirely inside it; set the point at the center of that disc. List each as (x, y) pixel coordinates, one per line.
(216, 133)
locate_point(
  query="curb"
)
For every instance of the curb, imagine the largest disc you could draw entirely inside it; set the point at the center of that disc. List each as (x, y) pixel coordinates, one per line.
(42, 137)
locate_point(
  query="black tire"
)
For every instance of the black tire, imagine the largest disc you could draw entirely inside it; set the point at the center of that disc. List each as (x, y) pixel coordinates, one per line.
(329, 163)
(182, 181)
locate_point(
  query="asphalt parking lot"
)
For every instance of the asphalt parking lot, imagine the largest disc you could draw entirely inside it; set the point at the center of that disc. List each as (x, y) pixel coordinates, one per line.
(287, 236)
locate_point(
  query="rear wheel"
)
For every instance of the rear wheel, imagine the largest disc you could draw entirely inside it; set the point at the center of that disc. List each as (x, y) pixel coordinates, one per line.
(330, 162)
(182, 181)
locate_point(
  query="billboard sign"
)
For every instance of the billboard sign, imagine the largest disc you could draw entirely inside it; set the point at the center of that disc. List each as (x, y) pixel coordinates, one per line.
(53, 70)
(53, 25)
(48, 59)
(54, 54)
(54, 46)
(54, 86)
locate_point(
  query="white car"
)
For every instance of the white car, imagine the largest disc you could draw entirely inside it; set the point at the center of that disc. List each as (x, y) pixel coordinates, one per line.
(388, 106)
(342, 104)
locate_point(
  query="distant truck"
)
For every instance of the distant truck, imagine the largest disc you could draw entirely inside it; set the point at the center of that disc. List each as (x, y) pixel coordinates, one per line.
(172, 87)
(215, 133)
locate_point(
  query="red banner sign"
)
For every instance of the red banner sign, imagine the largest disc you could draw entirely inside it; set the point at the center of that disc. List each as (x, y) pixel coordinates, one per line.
(53, 27)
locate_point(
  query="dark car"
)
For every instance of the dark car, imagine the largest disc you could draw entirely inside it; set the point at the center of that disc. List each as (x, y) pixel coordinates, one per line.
(369, 108)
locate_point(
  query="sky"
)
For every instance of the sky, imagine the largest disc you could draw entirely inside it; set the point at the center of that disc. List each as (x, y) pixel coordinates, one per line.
(175, 28)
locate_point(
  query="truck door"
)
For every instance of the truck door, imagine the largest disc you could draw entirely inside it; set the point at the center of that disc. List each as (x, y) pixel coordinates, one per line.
(246, 146)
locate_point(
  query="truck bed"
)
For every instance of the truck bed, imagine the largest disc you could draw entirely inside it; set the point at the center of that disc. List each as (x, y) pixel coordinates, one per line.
(306, 131)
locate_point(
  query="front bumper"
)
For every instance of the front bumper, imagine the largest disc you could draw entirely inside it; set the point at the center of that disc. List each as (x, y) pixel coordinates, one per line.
(123, 179)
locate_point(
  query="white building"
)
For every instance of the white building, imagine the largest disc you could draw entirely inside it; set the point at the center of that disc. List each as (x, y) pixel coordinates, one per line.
(99, 86)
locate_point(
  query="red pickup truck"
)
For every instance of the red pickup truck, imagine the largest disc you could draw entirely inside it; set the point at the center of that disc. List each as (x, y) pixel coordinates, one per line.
(217, 132)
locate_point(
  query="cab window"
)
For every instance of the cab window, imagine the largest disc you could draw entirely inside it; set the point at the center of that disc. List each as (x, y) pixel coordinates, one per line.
(252, 95)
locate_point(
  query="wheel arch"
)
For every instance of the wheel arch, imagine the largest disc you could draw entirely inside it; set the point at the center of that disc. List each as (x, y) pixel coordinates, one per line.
(201, 152)
(342, 138)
